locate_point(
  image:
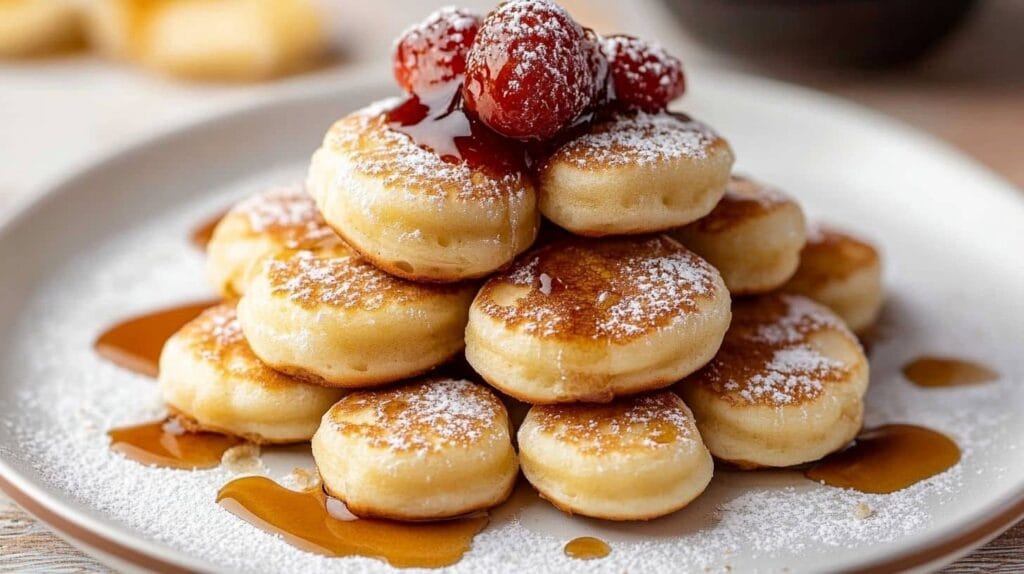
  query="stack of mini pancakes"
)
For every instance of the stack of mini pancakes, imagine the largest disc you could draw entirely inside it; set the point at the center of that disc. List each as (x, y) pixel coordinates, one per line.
(668, 313)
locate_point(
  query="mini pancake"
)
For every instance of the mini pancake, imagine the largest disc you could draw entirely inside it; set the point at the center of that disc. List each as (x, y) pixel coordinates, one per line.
(633, 459)
(427, 450)
(413, 213)
(786, 387)
(281, 219)
(37, 27)
(635, 173)
(222, 40)
(210, 376)
(588, 320)
(842, 272)
(753, 237)
(332, 318)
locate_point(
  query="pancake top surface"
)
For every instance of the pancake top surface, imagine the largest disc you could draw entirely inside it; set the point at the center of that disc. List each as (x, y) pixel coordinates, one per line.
(287, 213)
(638, 138)
(375, 150)
(340, 278)
(427, 416)
(744, 200)
(216, 338)
(830, 254)
(610, 289)
(628, 424)
(767, 357)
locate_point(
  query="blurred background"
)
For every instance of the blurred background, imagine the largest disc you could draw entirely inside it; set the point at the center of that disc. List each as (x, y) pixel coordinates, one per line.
(954, 68)
(80, 79)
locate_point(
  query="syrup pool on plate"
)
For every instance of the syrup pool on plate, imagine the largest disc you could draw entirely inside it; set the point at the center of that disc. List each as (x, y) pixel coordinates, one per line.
(587, 548)
(136, 343)
(947, 372)
(315, 522)
(201, 235)
(166, 443)
(887, 458)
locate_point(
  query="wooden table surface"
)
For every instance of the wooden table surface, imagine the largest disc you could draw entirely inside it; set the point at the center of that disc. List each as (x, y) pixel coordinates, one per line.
(970, 93)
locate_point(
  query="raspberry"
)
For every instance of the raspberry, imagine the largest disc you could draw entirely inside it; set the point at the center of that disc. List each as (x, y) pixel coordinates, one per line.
(433, 52)
(528, 73)
(644, 75)
(599, 70)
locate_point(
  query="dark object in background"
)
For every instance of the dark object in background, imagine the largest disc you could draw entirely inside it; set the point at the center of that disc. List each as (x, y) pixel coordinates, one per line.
(843, 33)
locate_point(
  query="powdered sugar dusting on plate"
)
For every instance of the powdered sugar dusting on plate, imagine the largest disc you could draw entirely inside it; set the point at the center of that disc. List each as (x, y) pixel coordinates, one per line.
(59, 398)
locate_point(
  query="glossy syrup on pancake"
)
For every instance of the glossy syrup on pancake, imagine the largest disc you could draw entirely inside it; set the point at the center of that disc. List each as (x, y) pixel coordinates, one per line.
(168, 443)
(315, 522)
(439, 122)
(587, 548)
(135, 343)
(888, 458)
(947, 372)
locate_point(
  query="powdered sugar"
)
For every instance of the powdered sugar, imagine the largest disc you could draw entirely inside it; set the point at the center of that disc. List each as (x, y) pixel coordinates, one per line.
(638, 138)
(614, 289)
(791, 372)
(655, 421)
(767, 357)
(287, 210)
(218, 330)
(59, 398)
(802, 316)
(423, 418)
(343, 280)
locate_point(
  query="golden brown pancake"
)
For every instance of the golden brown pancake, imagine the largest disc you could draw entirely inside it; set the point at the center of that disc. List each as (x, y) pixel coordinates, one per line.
(332, 318)
(636, 458)
(209, 374)
(842, 272)
(284, 218)
(413, 213)
(753, 237)
(430, 449)
(786, 386)
(635, 173)
(592, 319)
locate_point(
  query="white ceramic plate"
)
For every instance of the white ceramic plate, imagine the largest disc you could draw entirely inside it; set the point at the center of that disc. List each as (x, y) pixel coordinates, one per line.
(113, 241)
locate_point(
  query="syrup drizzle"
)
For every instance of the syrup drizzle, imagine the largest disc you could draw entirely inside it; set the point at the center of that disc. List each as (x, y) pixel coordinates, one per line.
(315, 522)
(587, 548)
(887, 458)
(166, 443)
(135, 344)
(438, 122)
(947, 372)
(201, 235)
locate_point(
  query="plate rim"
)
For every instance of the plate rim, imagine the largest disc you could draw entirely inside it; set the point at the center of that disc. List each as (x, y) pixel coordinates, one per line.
(69, 521)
